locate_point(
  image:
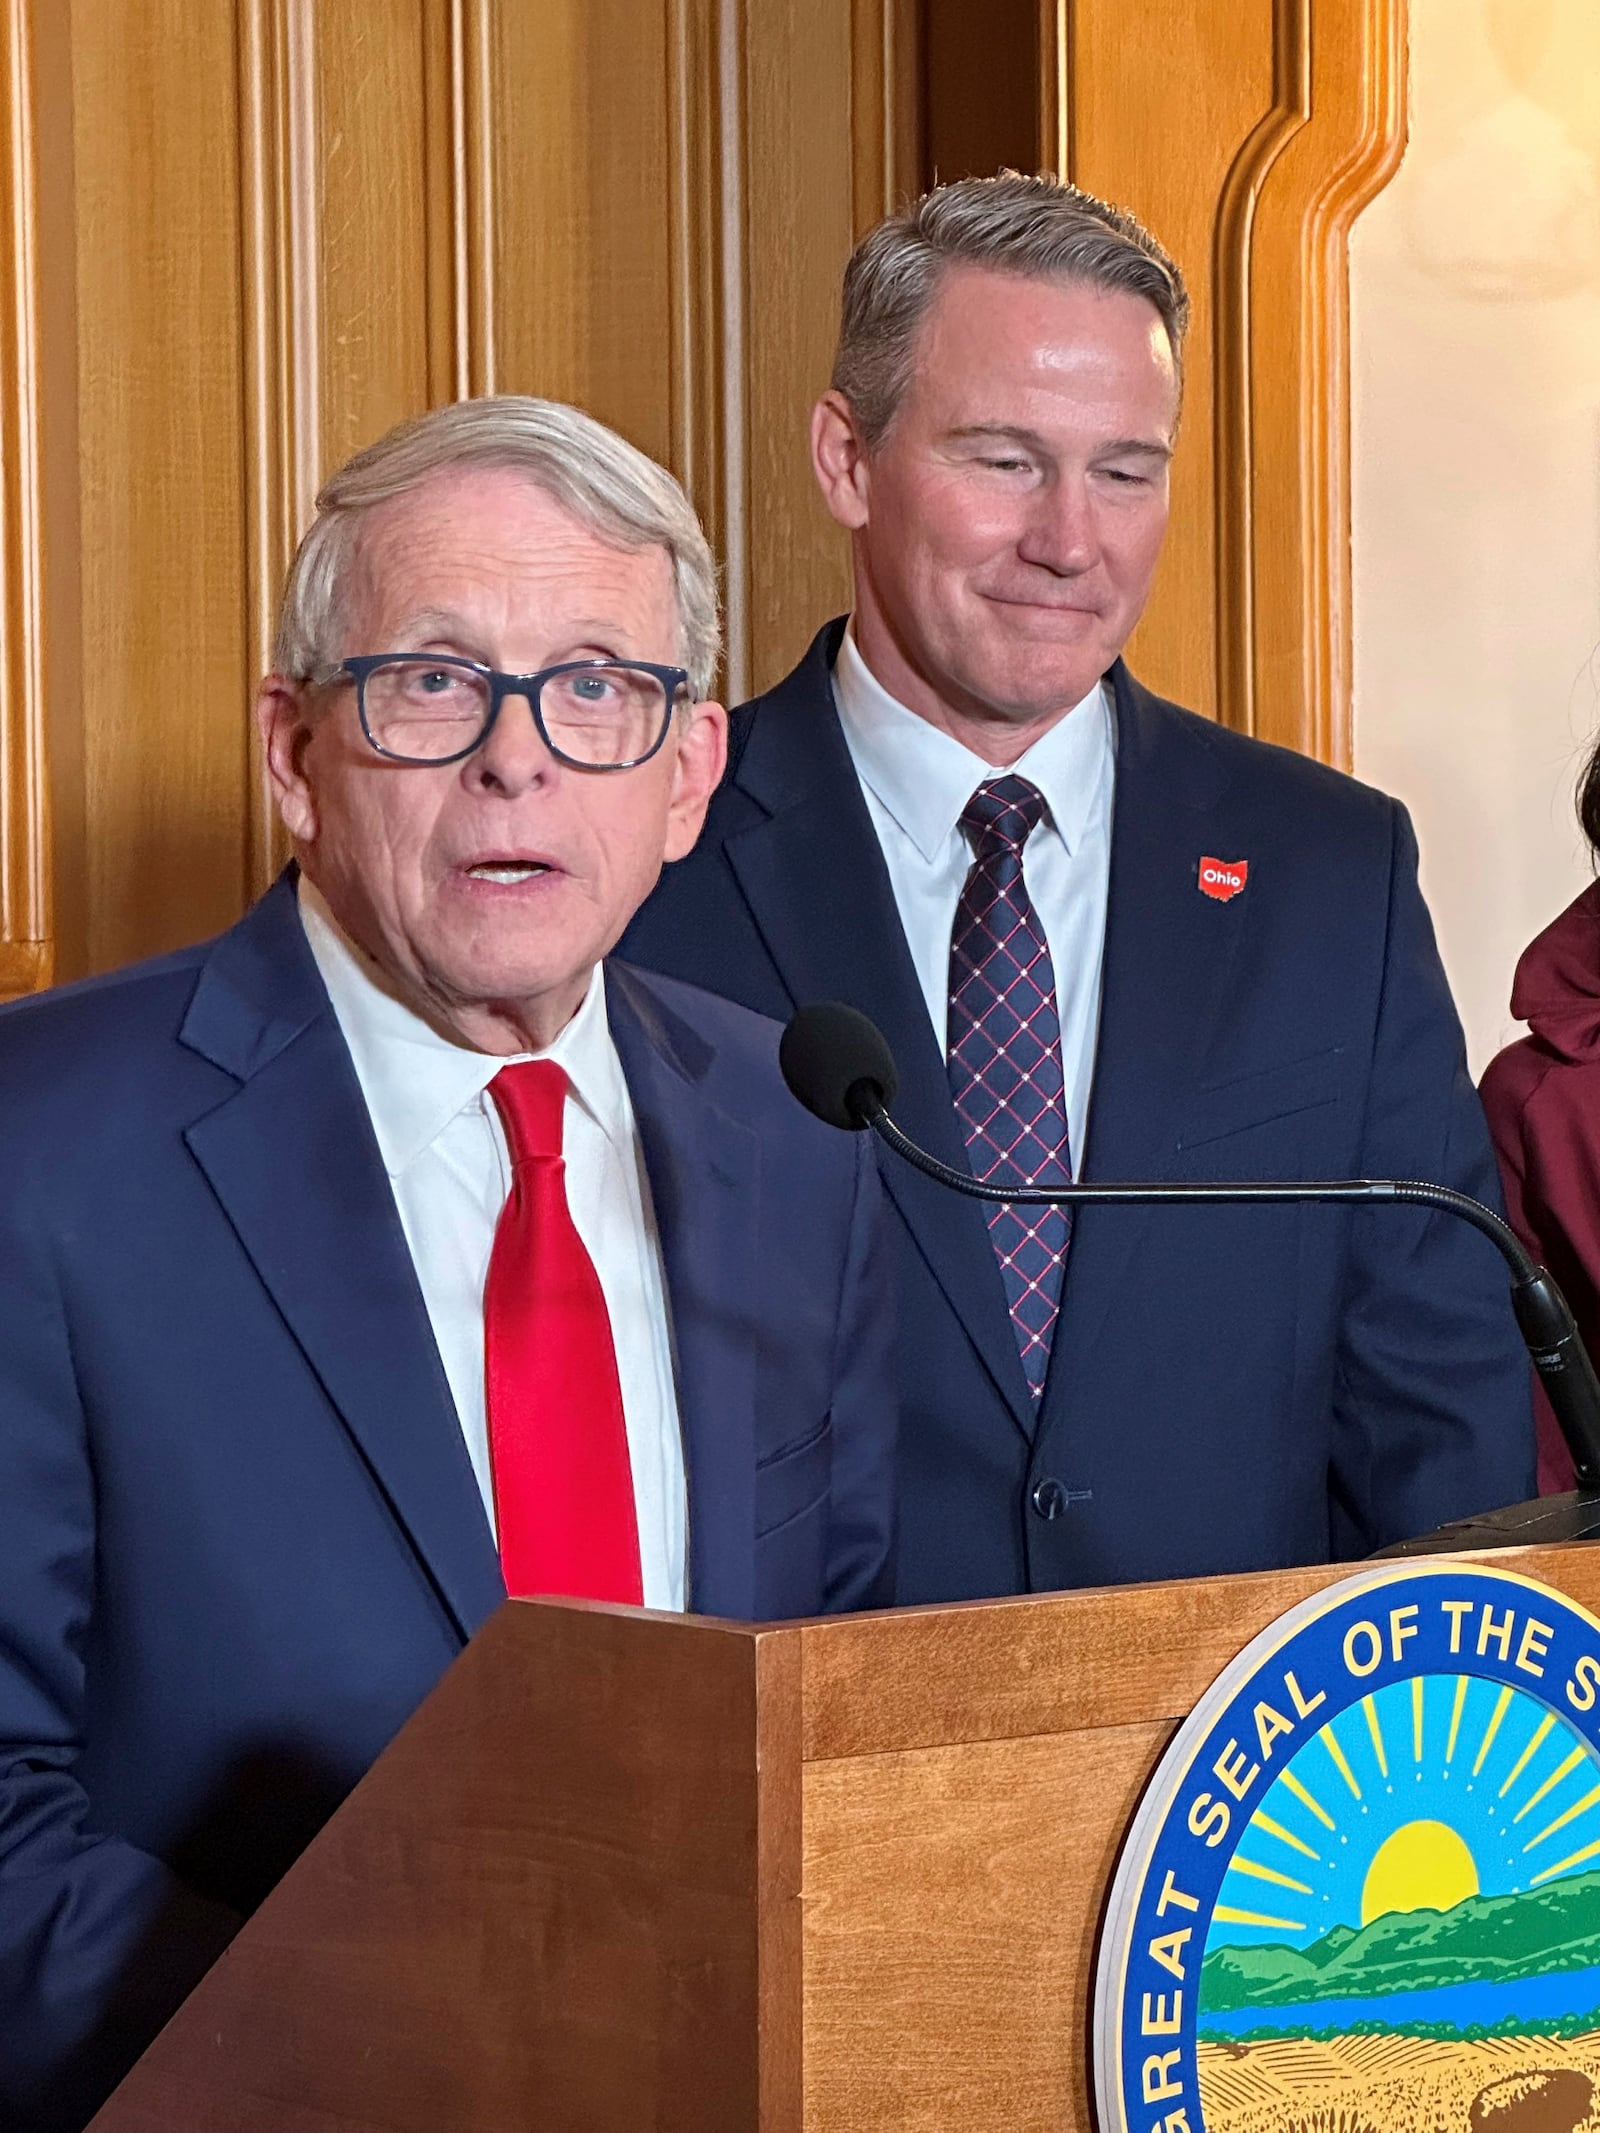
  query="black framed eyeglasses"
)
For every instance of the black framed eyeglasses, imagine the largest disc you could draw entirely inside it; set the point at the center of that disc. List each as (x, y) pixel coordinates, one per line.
(594, 714)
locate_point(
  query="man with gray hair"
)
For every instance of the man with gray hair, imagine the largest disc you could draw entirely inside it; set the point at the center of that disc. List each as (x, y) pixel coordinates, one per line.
(397, 1250)
(1106, 940)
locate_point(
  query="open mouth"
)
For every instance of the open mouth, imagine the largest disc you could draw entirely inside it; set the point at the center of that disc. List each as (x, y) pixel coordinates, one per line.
(507, 873)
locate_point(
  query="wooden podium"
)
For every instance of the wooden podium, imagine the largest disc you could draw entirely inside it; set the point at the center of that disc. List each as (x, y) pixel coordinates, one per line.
(626, 1872)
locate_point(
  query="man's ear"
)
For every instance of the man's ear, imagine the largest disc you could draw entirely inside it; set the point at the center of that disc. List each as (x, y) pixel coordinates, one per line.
(702, 757)
(839, 460)
(281, 723)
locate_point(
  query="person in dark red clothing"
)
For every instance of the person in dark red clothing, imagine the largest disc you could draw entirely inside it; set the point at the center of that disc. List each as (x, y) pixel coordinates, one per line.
(1542, 1096)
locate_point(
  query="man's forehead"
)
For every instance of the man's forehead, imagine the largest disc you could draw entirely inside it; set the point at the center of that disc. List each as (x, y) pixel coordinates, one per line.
(976, 310)
(480, 523)
(991, 343)
(470, 503)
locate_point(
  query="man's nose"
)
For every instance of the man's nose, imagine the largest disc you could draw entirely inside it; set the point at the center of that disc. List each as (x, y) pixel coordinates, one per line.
(515, 756)
(1060, 533)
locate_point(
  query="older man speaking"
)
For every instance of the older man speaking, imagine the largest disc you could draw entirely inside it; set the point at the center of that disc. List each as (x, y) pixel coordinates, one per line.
(392, 1251)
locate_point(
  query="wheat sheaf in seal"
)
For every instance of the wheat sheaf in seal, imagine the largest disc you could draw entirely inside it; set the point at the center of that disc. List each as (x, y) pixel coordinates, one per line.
(1362, 1891)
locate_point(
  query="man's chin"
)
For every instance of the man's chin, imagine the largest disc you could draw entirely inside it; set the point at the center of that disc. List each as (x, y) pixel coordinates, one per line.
(1032, 670)
(485, 976)
(1022, 696)
(512, 984)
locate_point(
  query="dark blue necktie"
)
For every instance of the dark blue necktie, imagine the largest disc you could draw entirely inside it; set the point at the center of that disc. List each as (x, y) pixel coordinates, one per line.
(1004, 1043)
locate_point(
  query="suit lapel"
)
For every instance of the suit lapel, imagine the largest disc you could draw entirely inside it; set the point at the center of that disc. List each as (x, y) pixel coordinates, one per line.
(293, 1161)
(1168, 952)
(814, 878)
(704, 1173)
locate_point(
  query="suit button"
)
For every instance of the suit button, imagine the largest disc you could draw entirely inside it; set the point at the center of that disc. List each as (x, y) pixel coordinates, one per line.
(1049, 1499)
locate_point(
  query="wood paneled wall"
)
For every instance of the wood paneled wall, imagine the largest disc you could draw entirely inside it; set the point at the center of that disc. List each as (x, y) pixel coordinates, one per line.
(31, 542)
(277, 227)
(1248, 134)
(239, 238)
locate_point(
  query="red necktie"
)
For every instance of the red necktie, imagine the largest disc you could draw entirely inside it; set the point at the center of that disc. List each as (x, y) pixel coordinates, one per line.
(558, 1444)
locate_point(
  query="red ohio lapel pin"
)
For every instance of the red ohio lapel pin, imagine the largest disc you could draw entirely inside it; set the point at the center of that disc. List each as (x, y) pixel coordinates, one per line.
(1223, 878)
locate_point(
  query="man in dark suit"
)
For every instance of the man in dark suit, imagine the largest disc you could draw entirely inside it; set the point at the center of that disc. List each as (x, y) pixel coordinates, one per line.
(393, 1249)
(1105, 938)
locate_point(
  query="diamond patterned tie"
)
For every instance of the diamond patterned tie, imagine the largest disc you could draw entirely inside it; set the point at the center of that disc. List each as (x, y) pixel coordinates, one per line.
(1004, 1040)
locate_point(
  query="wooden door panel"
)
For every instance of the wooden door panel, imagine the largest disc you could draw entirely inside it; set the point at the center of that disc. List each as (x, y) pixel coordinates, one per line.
(1248, 136)
(165, 854)
(26, 946)
(281, 227)
(1202, 88)
(583, 201)
(367, 74)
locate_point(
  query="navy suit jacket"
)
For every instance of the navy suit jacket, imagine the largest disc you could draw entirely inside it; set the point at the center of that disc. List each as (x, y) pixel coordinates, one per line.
(1230, 1388)
(240, 1537)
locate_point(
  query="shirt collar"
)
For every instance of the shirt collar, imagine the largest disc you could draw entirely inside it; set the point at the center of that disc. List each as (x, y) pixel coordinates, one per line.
(416, 1081)
(924, 778)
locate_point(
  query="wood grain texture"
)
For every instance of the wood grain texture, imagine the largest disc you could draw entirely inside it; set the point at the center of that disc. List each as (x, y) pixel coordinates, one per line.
(970, 1774)
(276, 228)
(1349, 149)
(949, 1943)
(26, 931)
(885, 81)
(1056, 149)
(582, 230)
(780, 1881)
(1119, 1655)
(539, 1910)
(820, 137)
(281, 227)
(160, 357)
(366, 171)
(1264, 130)
(281, 316)
(705, 339)
(1202, 80)
(800, 213)
(627, 1870)
(478, 95)
(25, 966)
(1237, 357)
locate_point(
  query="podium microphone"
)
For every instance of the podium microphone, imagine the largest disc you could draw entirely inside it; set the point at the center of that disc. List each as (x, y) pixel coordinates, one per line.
(839, 1065)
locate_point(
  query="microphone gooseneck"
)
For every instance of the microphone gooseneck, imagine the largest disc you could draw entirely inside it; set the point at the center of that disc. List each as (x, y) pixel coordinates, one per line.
(837, 1062)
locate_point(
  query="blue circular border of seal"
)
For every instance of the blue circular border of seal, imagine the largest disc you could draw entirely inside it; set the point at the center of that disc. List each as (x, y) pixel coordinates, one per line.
(1309, 1641)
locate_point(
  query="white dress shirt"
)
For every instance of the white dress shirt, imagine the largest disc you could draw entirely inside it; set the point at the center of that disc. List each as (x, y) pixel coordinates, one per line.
(442, 1144)
(917, 782)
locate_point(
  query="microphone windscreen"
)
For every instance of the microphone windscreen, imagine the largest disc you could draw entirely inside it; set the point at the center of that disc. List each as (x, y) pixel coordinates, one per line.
(827, 1053)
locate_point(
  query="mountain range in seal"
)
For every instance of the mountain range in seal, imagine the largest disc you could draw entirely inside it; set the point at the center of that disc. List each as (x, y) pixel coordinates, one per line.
(1497, 1938)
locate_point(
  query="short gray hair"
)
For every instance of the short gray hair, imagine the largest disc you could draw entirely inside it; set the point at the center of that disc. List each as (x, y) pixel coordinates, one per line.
(586, 468)
(1034, 228)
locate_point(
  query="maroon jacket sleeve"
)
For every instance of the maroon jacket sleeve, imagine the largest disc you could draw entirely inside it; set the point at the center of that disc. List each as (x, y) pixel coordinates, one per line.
(1544, 1118)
